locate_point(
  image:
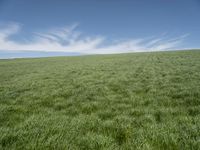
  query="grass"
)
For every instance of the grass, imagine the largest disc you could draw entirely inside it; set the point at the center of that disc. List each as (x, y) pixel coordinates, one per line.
(125, 101)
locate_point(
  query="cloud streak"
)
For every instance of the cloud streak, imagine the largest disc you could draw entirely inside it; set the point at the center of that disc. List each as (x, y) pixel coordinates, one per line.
(69, 39)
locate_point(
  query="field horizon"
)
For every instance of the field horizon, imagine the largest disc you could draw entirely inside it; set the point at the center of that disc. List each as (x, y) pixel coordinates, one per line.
(37, 54)
(143, 100)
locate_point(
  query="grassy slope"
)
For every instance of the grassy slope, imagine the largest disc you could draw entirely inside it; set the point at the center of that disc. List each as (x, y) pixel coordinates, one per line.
(127, 101)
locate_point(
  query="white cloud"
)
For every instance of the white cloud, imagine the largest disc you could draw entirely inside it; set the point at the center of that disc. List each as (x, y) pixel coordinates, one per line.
(68, 39)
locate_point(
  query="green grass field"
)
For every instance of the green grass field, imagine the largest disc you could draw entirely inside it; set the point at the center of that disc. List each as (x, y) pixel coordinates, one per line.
(124, 101)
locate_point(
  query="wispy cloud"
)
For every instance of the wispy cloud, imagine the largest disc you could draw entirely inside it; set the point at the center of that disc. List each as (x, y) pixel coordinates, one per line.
(69, 39)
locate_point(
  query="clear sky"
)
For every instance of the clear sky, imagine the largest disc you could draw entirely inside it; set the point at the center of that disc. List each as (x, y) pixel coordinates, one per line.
(99, 26)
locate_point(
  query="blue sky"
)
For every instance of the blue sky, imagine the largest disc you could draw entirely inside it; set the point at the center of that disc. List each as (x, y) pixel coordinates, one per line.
(98, 26)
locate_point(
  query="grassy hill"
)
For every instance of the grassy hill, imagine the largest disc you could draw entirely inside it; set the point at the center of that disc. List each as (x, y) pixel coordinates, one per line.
(125, 101)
